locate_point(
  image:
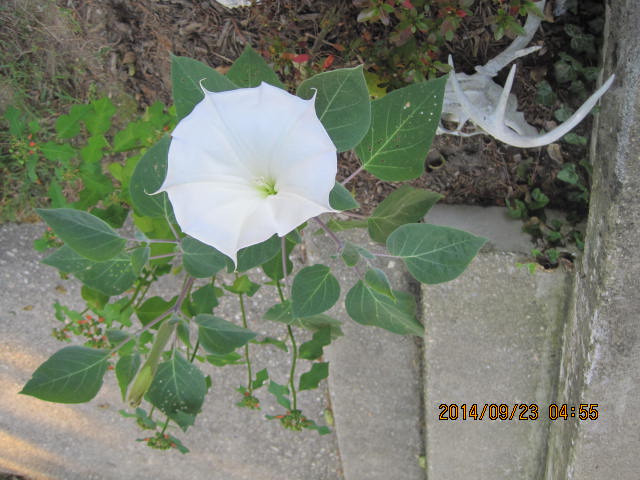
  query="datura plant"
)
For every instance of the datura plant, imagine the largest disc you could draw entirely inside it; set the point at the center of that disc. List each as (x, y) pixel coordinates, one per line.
(247, 168)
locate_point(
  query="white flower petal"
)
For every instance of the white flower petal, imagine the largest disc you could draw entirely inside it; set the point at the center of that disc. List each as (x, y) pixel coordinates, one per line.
(213, 213)
(249, 163)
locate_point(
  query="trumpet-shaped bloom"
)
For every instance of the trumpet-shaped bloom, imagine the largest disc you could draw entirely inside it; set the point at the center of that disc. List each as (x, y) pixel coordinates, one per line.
(246, 164)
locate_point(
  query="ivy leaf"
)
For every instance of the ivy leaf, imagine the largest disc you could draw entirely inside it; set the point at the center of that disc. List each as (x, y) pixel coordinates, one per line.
(71, 375)
(178, 390)
(434, 254)
(250, 70)
(368, 307)
(312, 378)
(405, 205)
(403, 124)
(314, 290)
(88, 235)
(219, 336)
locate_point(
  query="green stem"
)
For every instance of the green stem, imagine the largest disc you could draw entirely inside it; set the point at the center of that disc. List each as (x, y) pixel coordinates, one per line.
(246, 347)
(186, 287)
(195, 350)
(280, 291)
(292, 372)
(164, 429)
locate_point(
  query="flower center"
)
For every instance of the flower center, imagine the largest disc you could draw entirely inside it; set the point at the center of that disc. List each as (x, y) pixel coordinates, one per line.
(266, 186)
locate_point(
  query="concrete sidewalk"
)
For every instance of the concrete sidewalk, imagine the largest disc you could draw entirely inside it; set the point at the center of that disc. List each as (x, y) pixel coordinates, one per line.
(376, 383)
(92, 441)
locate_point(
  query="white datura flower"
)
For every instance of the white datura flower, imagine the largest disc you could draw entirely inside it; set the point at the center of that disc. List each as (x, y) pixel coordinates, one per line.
(247, 164)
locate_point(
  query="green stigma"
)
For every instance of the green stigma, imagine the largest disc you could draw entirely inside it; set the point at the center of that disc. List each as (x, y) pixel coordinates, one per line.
(266, 186)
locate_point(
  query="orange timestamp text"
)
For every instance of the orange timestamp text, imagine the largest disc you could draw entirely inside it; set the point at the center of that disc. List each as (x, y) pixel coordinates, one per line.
(516, 411)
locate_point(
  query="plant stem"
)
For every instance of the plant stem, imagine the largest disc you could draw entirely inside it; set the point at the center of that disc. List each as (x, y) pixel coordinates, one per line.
(335, 238)
(186, 286)
(283, 248)
(292, 372)
(166, 424)
(195, 350)
(350, 177)
(282, 299)
(164, 255)
(246, 347)
(142, 295)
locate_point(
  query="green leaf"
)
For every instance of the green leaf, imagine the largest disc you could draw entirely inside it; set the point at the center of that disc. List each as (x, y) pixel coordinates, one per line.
(405, 205)
(261, 378)
(314, 290)
(340, 225)
(368, 307)
(314, 348)
(68, 126)
(434, 254)
(201, 260)
(575, 139)
(568, 174)
(341, 199)
(147, 178)
(232, 358)
(87, 235)
(178, 390)
(71, 375)
(273, 268)
(312, 378)
(243, 286)
(403, 124)
(115, 337)
(280, 392)
(316, 323)
(272, 341)
(111, 277)
(153, 308)
(378, 281)
(16, 121)
(126, 369)
(187, 75)
(93, 151)
(342, 104)
(258, 254)
(219, 336)
(205, 299)
(545, 94)
(139, 258)
(100, 122)
(58, 153)
(350, 254)
(280, 312)
(250, 69)
(95, 300)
